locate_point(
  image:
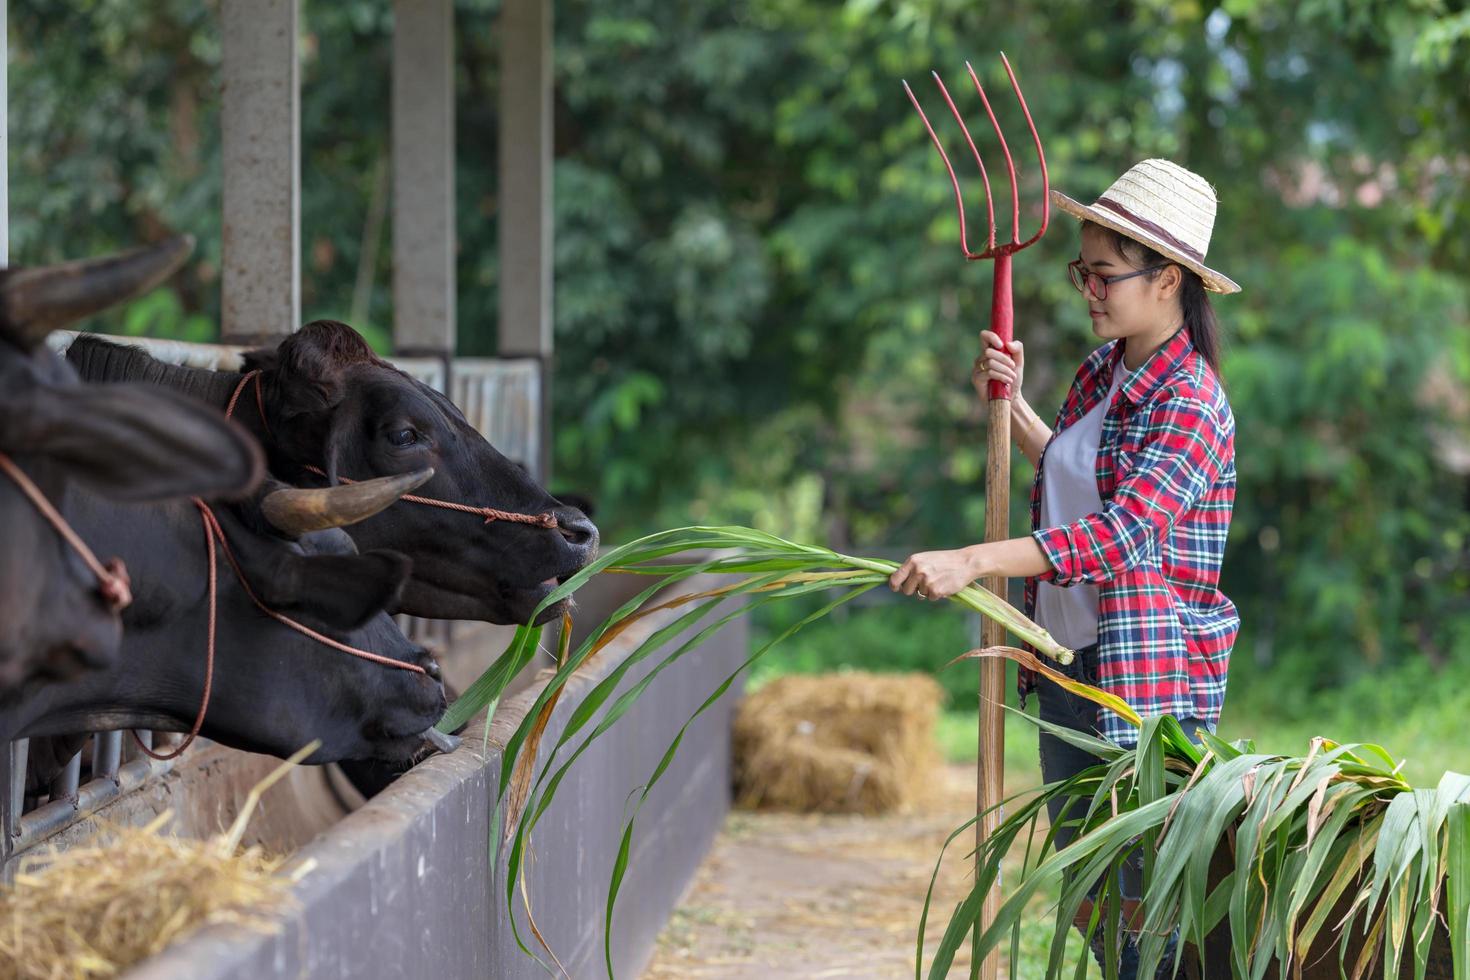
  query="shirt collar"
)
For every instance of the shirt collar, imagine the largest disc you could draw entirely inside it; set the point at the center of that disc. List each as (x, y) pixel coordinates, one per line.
(1160, 364)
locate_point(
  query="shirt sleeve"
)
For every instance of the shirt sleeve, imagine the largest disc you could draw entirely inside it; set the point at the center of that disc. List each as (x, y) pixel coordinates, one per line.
(1180, 460)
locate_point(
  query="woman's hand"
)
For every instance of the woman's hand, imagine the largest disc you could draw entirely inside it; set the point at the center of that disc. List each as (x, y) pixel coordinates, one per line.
(998, 363)
(940, 574)
(935, 574)
(1028, 431)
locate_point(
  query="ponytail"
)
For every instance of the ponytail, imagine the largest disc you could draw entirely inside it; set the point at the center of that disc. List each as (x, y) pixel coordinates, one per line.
(1199, 319)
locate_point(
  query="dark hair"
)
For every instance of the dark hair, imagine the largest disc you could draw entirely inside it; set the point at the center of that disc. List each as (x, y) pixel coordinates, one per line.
(1199, 315)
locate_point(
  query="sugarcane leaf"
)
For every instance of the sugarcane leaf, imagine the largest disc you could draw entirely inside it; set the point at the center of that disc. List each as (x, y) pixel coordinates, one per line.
(1028, 660)
(1323, 852)
(598, 696)
(589, 648)
(1197, 829)
(1091, 855)
(1217, 746)
(488, 687)
(1093, 744)
(1025, 817)
(1348, 869)
(1457, 847)
(492, 683)
(1433, 807)
(1180, 745)
(595, 698)
(1397, 844)
(1262, 785)
(673, 748)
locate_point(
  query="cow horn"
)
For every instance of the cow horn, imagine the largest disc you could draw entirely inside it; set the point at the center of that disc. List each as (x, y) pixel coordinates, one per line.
(34, 302)
(295, 511)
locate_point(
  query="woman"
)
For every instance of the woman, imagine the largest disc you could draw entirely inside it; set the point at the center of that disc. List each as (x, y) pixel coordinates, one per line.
(1133, 491)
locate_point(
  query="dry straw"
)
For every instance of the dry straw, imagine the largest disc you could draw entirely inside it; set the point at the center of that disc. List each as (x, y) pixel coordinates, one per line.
(95, 911)
(838, 743)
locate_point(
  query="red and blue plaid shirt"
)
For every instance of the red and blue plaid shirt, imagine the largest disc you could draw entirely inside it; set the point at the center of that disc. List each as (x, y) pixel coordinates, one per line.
(1166, 476)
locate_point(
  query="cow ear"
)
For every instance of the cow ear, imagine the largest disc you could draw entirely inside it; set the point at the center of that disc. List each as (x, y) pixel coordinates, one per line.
(310, 366)
(339, 434)
(134, 442)
(341, 591)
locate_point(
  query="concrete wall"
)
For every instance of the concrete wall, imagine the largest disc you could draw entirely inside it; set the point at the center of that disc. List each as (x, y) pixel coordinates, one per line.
(405, 886)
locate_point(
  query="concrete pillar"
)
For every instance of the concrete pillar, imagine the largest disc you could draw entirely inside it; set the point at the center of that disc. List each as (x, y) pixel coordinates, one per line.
(423, 178)
(525, 194)
(261, 120)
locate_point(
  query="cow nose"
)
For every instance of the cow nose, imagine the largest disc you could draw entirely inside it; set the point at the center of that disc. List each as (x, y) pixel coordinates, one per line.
(575, 527)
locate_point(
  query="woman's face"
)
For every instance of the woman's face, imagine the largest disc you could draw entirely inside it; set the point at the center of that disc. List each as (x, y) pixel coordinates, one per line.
(1141, 306)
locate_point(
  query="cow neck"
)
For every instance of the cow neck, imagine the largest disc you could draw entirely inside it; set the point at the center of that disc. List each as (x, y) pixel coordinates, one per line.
(546, 519)
(112, 578)
(213, 534)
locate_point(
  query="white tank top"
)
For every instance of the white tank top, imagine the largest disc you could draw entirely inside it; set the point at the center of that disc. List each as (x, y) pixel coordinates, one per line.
(1069, 493)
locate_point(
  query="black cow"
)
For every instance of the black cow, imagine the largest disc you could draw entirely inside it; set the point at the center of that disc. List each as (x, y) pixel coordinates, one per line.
(273, 689)
(327, 402)
(128, 442)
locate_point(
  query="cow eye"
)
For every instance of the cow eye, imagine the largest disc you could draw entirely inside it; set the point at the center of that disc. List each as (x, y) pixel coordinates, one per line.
(403, 437)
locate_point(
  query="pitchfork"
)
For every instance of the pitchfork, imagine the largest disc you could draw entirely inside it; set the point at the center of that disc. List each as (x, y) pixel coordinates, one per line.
(990, 774)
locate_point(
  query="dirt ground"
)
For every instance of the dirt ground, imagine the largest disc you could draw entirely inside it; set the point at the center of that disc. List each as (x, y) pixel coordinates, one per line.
(783, 895)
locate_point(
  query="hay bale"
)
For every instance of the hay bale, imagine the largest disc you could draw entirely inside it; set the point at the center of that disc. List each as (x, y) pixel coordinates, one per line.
(95, 911)
(838, 743)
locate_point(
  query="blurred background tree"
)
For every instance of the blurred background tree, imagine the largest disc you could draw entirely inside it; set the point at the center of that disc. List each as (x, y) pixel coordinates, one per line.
(761, 313)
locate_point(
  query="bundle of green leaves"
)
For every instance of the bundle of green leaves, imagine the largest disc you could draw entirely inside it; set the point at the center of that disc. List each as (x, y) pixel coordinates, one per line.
(1333, 846)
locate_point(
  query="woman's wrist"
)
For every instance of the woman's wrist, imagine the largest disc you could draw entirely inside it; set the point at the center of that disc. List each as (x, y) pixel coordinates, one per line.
(1023, 417)
(977, 561)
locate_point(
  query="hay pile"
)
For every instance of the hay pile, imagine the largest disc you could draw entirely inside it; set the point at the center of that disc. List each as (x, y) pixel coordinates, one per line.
(95, 911)
(838, 743)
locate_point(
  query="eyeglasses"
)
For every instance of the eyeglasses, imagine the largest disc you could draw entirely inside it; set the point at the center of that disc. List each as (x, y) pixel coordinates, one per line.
(1098, 284)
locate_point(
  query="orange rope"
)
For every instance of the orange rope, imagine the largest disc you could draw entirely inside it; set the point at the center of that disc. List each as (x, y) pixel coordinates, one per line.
(207, 517)
(212, 533)
(112, 578)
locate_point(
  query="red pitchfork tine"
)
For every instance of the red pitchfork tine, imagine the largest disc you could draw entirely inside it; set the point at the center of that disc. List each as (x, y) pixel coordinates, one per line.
(1015, 244)
(990, 774)
(1002, 316)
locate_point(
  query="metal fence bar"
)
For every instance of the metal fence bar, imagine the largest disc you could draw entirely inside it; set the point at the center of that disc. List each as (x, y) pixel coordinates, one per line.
(27, 830)
(16, 795)
(63, 788)
(106, 755)
(134, 753)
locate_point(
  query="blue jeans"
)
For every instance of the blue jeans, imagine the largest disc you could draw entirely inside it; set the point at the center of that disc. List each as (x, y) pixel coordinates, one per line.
(1062, 760)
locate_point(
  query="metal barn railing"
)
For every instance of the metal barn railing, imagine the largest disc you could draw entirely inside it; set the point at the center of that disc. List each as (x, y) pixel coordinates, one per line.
(113, 767)
(499, 398)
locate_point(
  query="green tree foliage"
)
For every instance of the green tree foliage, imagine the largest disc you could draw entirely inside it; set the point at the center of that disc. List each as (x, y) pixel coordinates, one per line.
(761, 313)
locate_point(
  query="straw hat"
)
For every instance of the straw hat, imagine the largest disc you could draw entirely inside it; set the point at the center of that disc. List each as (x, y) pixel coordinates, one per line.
(1164, 206)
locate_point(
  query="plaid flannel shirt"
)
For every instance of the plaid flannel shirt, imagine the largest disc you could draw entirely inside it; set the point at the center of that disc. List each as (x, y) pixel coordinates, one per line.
(1166, 476)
